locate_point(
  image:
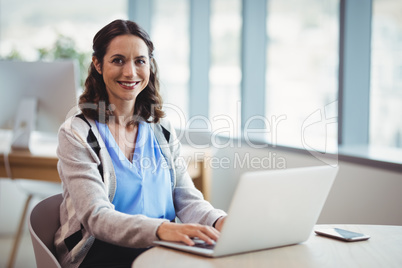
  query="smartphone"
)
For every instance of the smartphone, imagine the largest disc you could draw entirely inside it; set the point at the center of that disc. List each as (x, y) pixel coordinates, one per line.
(342, 234)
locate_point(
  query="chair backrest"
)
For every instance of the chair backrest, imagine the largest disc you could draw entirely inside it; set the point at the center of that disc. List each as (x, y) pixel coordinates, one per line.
(43, 224)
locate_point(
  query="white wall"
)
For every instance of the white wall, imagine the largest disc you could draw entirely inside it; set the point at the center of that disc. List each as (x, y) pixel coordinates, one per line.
(360, 194)
(364, 194)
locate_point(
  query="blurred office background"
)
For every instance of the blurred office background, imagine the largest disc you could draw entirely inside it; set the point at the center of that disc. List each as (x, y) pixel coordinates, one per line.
(317, 75)
(300, 56)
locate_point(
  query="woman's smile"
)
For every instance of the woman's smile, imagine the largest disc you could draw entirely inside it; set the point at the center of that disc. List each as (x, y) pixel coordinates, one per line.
(128, 85)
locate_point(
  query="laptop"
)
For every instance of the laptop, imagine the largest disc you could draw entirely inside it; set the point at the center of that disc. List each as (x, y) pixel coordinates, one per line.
(269, 209)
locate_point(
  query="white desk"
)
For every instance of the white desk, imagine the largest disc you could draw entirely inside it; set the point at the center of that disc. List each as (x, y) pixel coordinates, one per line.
(383, 249)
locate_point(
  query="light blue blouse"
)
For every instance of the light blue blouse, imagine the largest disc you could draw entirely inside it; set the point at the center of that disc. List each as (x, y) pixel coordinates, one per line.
(143, 185)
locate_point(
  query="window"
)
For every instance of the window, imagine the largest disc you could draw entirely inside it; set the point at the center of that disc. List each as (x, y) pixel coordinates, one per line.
(301, 72)
(225, 70)
(170, 35)
(386, 74)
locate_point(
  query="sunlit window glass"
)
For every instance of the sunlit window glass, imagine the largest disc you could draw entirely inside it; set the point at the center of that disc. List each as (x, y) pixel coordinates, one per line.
(170, 34)
(302, 73)
(225, 72)
(386, 74)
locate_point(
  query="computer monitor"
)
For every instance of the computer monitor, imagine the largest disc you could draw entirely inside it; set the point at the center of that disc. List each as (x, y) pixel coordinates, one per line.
(50, 88)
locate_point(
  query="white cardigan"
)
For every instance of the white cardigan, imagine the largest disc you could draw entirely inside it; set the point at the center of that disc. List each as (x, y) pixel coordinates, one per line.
(87, 211)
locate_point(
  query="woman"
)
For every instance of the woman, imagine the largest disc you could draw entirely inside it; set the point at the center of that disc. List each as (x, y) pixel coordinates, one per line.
(122, 184)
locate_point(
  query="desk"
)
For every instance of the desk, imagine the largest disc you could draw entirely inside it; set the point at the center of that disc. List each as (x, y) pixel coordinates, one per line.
(383, 249)
(38, 164)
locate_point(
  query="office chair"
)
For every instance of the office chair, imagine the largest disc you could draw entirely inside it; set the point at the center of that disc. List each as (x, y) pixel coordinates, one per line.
(43, 224)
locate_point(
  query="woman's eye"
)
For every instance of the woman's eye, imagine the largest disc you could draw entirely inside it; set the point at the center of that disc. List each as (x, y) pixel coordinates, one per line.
(117, 61)
(141, 62)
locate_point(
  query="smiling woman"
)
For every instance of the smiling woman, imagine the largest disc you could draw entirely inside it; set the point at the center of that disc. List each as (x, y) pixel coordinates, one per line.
(115, 204)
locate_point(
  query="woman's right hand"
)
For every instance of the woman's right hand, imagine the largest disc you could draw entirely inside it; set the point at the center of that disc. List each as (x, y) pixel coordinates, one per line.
(177, 232)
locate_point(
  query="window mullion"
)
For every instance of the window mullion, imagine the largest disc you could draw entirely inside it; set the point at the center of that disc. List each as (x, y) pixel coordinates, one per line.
(354, 72)
(199, 57)
(253, 59)
(140, 11)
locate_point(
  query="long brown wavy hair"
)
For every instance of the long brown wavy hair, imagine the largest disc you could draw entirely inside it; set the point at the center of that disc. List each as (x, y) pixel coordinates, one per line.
(94, 101)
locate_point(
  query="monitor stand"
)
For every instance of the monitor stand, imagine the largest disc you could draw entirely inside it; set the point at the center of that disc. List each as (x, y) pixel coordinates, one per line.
(24, 124)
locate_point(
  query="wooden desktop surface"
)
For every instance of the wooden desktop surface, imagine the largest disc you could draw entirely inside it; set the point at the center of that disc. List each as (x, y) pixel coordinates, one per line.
(383, 249)
(40, 163)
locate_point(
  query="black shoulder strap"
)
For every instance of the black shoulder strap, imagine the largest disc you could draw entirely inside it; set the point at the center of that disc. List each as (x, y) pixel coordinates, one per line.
(93, 142)
(166, 133)
(82, 116)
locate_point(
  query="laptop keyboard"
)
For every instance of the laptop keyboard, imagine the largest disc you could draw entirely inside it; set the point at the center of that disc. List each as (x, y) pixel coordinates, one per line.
(202, 244)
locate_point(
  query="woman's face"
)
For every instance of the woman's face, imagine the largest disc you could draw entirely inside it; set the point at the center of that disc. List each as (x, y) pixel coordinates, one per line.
(126, 68)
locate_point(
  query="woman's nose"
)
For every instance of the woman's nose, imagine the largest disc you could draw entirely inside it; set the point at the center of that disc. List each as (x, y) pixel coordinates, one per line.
(129, 69)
